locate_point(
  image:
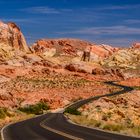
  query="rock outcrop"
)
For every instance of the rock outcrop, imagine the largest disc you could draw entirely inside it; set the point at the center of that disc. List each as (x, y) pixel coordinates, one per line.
(12, 37)
(108, 71)
(103, 50)
(62, 46)
(79, 67)
(71, 47)
(125, 58)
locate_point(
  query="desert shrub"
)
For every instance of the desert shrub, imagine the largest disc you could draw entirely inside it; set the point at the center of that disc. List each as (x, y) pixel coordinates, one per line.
(3, 113)
(137, 87)
(136, 130)
(77, 99)
(94, 123)
(36, 109)
(113, 127)
(97, 124)
(129, 123)
(72, 111)
(106, 116)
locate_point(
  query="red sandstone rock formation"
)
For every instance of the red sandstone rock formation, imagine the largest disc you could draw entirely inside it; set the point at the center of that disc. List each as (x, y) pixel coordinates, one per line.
(11, 36)
(103, 50)
(108, 71)
(72, 47)
(62, 46)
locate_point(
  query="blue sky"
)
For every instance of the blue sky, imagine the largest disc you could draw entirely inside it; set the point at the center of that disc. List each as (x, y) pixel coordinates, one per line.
(113, 22)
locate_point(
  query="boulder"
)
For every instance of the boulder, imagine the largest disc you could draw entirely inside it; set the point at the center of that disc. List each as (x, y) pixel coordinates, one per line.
(79, 67)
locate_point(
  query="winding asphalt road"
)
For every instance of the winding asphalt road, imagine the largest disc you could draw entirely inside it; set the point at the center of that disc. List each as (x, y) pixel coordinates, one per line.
(54, 126)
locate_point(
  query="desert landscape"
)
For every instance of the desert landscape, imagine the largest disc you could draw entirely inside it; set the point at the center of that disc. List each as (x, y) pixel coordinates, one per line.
(50, 74)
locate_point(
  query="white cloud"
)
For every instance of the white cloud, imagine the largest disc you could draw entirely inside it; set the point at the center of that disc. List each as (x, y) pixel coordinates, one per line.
(119, 7)
(112, 30)
(22, 20)
(41, 10)
(132, 21)
(15, 19)
(118, 42)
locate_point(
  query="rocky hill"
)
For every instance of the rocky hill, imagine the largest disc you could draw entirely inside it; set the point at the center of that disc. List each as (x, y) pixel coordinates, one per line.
(71, 47)
(60, 46)
(125, 58)
(119, 114)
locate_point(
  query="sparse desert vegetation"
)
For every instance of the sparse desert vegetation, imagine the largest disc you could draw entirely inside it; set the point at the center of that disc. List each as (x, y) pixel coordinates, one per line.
(72, 111)
(117, 113)
(25, 88)
(36, 109)
(4, 113)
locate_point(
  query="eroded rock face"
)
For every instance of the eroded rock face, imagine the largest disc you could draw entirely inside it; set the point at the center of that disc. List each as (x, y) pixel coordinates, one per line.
(103, 50)
(108, 71)
(11, 36)
(79, 67)
(62, 46)
(72, 47)
(124, 58)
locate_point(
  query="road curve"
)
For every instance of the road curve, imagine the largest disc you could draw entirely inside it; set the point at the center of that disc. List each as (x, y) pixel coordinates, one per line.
(54, 126)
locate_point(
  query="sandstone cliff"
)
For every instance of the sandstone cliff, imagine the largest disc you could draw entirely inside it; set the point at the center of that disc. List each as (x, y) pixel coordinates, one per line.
(12, 37)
